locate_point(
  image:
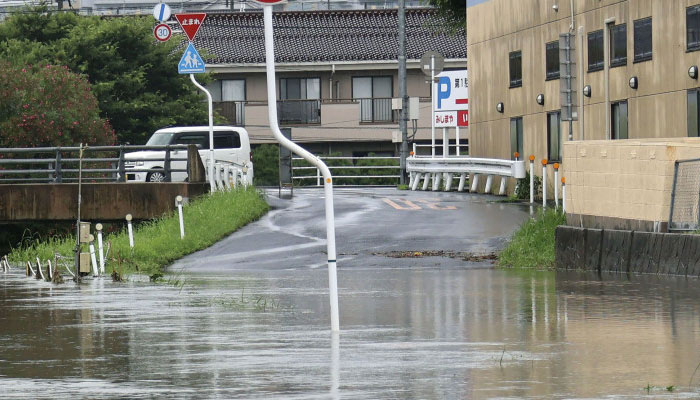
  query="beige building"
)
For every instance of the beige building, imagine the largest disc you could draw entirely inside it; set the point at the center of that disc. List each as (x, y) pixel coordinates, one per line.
(636, 59)
(337, 73)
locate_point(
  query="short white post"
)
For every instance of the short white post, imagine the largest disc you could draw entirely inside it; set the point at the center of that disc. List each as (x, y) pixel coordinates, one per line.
(178, 201)
(93, 258)
(436, 181)
(457, 141)
(426, 181)
(445, 144)
(38, 266)
(131, 230)
(563, 195)
(489, 183)
(502, 189)
(462, 180)
(415, 153)
(475, 184)
(50, 270)
(532, 179)
(556, 185)
(100, 248)
(416, 181)
(544, 183)
(235, 177)
(448, 181)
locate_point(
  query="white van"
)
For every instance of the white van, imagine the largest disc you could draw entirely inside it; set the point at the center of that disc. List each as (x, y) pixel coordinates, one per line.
(231, 145)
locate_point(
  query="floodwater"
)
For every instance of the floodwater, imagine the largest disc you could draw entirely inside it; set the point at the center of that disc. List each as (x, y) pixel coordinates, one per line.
(440, 333)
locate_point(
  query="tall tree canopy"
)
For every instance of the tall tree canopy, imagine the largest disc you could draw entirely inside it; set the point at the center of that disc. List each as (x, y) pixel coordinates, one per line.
(134, 78)
(453, 11)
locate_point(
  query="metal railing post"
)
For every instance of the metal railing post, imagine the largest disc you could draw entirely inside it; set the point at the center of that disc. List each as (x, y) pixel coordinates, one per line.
(58, 178)
(166, 165)
(120, 167)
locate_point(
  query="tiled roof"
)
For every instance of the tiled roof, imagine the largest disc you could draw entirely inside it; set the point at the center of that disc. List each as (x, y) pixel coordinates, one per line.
(326, 36)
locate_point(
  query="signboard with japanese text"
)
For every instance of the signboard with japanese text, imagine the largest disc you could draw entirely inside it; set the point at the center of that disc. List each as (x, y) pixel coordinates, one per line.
(452, 99)
(191, 23)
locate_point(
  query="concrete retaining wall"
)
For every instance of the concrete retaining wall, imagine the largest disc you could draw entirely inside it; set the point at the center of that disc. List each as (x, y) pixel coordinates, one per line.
(627, 251)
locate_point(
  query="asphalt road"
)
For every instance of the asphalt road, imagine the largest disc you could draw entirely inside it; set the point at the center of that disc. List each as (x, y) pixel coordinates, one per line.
(371, 224)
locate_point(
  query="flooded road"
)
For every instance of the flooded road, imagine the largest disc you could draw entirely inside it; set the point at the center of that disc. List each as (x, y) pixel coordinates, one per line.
(249, 318)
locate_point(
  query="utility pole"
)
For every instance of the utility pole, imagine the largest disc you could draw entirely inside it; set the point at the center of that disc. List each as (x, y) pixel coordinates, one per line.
(403, 117)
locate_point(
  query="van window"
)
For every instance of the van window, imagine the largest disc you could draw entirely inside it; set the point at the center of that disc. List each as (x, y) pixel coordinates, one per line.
(159, 139)
(227, 141)
(199, 139)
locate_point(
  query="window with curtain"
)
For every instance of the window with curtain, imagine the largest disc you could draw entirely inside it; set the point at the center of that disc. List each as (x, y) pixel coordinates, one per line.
(300, 88)
(554, 136)
(516, 137)
(595, 51)
(619, 120)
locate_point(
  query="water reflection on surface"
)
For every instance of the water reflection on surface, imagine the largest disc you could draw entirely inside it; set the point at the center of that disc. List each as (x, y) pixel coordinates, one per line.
(407, 333)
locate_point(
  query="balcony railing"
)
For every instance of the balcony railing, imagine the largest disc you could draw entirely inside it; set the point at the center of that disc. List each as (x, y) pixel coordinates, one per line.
(234, 111)
(376, 110)
(299, 112)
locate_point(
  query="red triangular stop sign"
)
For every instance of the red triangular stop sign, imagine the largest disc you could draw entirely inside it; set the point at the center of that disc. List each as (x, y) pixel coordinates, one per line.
(190, 23)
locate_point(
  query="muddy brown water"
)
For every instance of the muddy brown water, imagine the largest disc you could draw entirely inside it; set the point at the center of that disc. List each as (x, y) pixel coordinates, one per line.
(451, 333)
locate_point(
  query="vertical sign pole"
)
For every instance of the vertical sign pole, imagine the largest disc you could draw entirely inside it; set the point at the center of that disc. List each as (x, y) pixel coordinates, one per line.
(212, 185)
(432, 105)
(313, 160)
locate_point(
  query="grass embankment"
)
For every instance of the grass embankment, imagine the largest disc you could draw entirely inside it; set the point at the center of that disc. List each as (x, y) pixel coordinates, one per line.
(532, 246)
(157, 242)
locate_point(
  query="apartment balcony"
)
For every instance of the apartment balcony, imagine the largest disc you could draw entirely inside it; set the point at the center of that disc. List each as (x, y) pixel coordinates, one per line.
(376, 111)
(299, 112)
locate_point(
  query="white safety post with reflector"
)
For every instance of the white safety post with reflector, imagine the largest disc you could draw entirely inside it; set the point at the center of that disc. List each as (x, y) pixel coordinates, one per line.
(130, 228)
(556, 185)
(313, 160)
(544, 183)
(532, 179)
(93, 258)
(100, 249)
(563, 195)
(178, 200)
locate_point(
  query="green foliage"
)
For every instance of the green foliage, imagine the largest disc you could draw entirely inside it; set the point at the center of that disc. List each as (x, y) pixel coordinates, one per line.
(454, 12)
(157, 242)
(522, 187)
(532, 246)
(349, 172)
(266, 162)
(48, 106)
(134, 79)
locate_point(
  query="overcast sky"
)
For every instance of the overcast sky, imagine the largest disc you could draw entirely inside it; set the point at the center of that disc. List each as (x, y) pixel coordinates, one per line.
(474, 2)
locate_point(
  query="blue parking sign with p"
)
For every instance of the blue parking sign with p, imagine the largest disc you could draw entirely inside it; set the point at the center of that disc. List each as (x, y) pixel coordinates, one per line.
(191, 62)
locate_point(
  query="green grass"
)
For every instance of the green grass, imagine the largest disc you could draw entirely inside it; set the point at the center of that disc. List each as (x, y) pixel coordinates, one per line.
(532, 246)
(157, 242)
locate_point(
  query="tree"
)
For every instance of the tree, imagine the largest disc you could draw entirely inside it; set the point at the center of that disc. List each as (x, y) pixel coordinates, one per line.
(48, 106)
(135, 79)
(454, 12)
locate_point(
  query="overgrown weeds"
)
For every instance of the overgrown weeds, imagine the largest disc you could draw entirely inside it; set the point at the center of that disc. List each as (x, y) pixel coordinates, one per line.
(532, 245)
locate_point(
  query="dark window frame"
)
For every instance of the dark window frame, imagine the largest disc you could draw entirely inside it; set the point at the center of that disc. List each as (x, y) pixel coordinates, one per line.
(613, 134)
(519, 138)
(515, 66)
(693, 113)
(646, 54)
(285, 82)
(593, 38)
(692, 28)
(551, 158)
(615, 31)
(550, 49)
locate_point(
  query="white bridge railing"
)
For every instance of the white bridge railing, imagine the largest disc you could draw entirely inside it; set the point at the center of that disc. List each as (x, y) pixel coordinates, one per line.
(436, 169)
(228, 175)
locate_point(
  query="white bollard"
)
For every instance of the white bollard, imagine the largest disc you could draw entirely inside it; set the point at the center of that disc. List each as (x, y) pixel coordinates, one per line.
(448, 181)
(563, 195)
(502, 189)
(475, 184)
(532, 179)
(131, 230)
(178, 200)
(38, 266)
(416, 181)
(436, 181)
(50, 270)
(93, 258)
(544, 183)
(100, 248)
(462, 180)
(426, 181)
(556, 185)
(489, 183)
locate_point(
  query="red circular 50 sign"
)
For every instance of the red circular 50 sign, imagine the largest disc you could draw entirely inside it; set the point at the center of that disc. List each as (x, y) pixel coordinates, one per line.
(162, 32)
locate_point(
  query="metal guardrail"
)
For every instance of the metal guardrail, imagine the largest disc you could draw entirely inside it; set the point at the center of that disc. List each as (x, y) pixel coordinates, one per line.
(299, 111)
(436, 168)
(61, 164)
(228, 175)
(352, 178)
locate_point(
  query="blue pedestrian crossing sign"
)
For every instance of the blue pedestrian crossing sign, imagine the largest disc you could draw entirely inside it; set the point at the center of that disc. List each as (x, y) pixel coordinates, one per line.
(191, 62)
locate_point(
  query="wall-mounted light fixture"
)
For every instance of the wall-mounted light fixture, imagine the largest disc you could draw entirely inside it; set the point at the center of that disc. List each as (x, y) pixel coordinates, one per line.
(587, 91)
(540, 99)
(693, 72)
(634, 82)
(499, 107)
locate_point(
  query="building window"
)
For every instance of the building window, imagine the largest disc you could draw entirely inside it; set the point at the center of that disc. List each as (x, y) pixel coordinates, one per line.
(227, 90)
(300, 89)
(516, 137)
(516, 68)
(692, 27)
(552, 60)
(619, 120)
(642, 40)
(595, 51)
(374, 94)
(554, 136)
(694, 113)
(618, 45)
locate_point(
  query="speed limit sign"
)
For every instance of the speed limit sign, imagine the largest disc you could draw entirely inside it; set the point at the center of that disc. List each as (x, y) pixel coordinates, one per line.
(162, 32)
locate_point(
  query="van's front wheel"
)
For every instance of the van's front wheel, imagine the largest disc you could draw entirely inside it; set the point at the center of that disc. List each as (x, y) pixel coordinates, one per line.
(156, 176)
